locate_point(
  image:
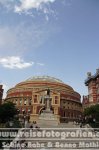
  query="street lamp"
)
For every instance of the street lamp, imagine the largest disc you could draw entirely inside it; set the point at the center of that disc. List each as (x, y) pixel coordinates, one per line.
(24, 119)
(28, 115)
(10, 123)
(17, 115)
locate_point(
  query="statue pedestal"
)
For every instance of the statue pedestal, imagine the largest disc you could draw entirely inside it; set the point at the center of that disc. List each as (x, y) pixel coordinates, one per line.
(47, 119)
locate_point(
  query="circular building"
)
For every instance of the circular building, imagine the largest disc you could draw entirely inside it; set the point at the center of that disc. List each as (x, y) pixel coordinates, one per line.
(29, 98)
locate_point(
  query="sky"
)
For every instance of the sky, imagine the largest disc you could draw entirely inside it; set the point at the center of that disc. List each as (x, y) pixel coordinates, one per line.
(58, 38)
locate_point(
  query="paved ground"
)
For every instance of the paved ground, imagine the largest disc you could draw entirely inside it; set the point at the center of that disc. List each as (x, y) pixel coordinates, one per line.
(61, 142)
(62, 125)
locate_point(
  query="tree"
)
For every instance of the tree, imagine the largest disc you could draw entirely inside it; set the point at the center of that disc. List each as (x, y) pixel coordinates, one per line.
(7, 112)
(92, 115)
(93, 112)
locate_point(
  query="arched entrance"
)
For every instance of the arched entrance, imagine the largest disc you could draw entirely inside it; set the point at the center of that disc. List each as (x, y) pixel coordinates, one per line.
(43, 108)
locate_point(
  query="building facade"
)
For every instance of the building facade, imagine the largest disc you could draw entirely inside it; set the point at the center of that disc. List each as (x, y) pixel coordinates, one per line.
(1, 93)
(92, 82)
(29, 98)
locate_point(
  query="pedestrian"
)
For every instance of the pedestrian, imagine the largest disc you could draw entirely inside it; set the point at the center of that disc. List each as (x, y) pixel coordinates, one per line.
(81, 125)
(31, 126)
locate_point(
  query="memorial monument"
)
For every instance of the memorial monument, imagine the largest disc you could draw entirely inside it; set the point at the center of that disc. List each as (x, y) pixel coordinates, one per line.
(47, 117)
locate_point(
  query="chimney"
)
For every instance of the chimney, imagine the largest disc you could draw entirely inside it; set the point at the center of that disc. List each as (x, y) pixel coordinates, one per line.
(88, 74)
(1, 86)
(97, 70)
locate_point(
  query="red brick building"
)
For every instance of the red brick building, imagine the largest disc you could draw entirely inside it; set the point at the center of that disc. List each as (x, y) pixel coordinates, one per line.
(1, 93)
(92, 82)
(29, 98)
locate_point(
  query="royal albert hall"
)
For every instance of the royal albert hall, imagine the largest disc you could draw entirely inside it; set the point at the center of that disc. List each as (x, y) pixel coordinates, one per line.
(29, 98)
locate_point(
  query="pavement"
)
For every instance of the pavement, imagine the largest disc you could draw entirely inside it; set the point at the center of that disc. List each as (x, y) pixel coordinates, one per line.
(61, 125)
(64, 144)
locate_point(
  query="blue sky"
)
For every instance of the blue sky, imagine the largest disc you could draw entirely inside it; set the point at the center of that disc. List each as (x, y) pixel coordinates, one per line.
(59, 38)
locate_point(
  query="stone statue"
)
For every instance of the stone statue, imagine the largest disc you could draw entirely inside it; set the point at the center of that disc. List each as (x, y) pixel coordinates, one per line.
(48, 92)
(47, 100)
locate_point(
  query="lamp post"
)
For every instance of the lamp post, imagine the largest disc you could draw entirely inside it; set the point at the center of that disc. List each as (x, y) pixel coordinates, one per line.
(24, 120)
(17, 115)
(24, 117)
(28, 116)
(10, 123)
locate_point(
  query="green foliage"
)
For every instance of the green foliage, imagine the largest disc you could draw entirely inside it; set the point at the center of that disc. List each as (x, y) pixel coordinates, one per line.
(8, 115)
(15, 124)
(93, 111)
(7, 112)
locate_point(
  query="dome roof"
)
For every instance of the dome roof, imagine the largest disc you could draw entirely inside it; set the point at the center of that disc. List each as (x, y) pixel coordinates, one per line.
(44, 78)
(43, 82)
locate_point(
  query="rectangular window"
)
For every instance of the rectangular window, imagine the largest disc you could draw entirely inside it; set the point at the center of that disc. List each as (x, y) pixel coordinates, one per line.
(98, 90)
(16, 101)
(25, 102)
(20, 101)
(90, 98)
(35, 98)
(29, 110)
(30, 101)
(56, 99)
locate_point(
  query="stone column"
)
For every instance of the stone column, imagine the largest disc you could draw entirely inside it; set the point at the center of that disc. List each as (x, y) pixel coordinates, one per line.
(47, 103)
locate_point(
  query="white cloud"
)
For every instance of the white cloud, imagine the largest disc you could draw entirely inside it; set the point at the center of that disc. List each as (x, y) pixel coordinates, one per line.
(23, 38)
(6, 36)
(25, 6)
(31, 4)
(40, 64)
(14, 62)
(9, 4)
